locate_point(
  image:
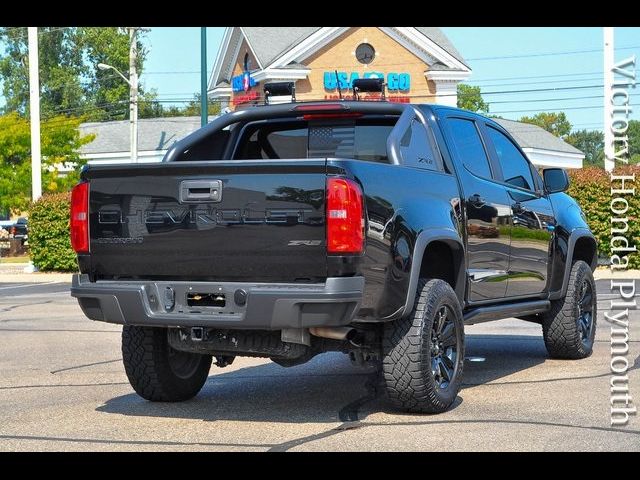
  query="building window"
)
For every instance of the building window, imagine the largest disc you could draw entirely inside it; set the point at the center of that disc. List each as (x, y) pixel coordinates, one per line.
(365, 53)
(246, 62)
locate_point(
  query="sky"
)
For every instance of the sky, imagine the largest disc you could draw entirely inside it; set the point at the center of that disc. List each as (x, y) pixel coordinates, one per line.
(565, 62)
(502, 59)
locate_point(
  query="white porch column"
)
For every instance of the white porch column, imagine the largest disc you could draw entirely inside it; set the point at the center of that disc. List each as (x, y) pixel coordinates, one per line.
(447, 85)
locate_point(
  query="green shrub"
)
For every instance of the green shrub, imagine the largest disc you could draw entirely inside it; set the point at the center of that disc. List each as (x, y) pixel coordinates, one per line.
(591, 187)
(49, 243)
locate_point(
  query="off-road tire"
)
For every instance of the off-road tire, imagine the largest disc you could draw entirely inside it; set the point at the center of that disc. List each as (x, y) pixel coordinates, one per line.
(561, 326)
(410, 382)
(153, 374)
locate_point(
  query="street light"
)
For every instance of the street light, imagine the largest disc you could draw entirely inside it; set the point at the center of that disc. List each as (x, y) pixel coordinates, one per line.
(133, 101)
(104, 66)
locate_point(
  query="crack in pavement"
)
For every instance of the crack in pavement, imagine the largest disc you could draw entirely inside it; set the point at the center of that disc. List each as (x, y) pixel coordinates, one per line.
(348, 415)
(110, 384)
(132, 442)
(13, 307)
(545, 380)
(285, 446)
(85, 365)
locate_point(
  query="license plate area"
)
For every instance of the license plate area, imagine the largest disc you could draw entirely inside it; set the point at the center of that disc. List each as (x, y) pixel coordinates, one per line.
(216, 300)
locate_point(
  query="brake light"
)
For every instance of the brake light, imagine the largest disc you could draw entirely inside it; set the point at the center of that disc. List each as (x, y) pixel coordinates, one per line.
(320, 107)
(345, 217)
(319, 116)
(80, 218)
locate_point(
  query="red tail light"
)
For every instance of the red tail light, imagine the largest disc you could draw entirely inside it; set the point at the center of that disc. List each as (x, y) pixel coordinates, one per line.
(80, 218)
(345, 217)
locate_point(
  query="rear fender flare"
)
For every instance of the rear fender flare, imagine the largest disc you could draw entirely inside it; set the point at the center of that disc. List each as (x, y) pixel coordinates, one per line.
(422, 242)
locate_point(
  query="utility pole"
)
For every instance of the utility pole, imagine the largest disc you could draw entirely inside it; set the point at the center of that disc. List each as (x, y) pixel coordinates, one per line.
(133, 93)
(204, 107)
(34, 111)
(609, 161)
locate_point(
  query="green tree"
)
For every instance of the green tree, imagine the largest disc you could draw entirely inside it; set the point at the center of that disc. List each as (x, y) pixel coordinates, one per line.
(70, 82)
(149, 106)
(634, 141)
(552, 122)
(193, 107)
(61, 68)
(470, 98)
(60, 142)
(591, 142)
(107, 92)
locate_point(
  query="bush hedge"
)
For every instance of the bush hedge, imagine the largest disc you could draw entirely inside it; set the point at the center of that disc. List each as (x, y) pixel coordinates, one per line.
(49, 244)
(591, 187)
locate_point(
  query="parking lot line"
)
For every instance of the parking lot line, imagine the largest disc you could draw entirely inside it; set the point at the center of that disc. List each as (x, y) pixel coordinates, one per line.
(25, 285)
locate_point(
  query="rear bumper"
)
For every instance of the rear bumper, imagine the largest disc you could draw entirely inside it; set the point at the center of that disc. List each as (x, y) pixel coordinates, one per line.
(268, 306)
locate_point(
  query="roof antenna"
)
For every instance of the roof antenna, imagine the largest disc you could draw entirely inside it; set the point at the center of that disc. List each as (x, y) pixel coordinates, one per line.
(338, 84)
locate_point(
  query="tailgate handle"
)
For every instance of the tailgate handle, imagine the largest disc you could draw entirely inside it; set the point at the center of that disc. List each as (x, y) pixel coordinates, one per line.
(194, 191)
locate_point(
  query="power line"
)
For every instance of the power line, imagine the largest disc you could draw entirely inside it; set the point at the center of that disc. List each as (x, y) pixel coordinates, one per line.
(566, 108)
(536, 100)
(547, 54)
(544, 82)
(40, 32)
(535, 76)
(375, 65)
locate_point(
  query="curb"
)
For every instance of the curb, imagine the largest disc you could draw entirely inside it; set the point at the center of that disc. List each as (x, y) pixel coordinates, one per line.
(607, 274)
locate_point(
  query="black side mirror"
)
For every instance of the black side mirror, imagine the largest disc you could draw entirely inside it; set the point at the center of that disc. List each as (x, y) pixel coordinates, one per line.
(555, 180)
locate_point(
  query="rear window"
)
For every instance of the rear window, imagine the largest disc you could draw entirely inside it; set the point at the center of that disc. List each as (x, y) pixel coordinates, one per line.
(363, 140)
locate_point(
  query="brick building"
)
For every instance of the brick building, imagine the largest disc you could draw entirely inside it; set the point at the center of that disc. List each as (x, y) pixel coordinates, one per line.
(418, 64)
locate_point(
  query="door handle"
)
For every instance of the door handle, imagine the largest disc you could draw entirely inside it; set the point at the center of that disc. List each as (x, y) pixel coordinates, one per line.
(477, 201)
(195, 191)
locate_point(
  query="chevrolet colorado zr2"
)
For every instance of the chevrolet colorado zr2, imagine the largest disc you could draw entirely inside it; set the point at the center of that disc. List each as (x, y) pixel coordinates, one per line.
(371, 228)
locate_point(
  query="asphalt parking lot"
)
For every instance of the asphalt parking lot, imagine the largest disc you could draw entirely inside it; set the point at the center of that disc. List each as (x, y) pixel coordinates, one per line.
(63, 387)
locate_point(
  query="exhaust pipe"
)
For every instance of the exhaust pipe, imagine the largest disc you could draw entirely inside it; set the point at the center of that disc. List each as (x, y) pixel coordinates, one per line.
(335, 333)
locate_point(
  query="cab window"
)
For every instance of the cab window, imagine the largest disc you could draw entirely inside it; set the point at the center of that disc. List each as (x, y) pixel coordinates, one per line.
(515, 167)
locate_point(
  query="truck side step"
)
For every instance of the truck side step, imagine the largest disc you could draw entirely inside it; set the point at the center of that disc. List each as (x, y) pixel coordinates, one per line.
(497, 312)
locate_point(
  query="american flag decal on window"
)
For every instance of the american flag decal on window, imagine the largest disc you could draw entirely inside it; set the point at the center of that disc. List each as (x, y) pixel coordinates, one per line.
(332, 141)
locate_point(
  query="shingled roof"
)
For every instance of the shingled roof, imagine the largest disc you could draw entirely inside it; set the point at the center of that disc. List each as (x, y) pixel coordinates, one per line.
(267, 46)
(438, 37)
(270, 43)
(533, 136)
(153, 134)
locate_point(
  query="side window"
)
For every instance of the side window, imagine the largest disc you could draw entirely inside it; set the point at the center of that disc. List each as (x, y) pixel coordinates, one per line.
(469, 146)
(515, 166)
(416, 149)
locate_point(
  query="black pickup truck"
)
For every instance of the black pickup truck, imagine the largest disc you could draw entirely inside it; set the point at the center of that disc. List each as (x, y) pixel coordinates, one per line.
(370, 228)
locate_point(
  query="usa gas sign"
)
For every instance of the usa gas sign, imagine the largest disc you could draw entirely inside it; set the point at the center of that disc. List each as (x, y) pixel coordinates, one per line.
(395, 81)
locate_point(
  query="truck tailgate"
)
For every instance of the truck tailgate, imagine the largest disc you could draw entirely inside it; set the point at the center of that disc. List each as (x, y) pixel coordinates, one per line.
(218, 220)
